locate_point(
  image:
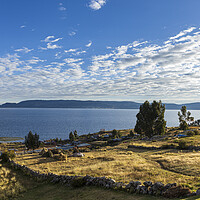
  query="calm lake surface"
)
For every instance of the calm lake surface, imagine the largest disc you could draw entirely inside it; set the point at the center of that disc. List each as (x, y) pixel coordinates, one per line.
(52, 123)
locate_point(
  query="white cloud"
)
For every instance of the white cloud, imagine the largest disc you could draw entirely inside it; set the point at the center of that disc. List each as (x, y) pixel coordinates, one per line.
(48, 38)
(97, 4)
(23, 26)
(70, 50)
(89, 44)
(72, 33)
(56, 40)
(24, 50)
(79, 53)
(141, 70)
(53, 46)
(72, 60)
(182, 33)
(62, 8)
(51, 39)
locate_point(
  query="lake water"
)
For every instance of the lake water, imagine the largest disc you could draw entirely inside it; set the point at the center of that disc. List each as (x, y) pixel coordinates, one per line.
(52, 123)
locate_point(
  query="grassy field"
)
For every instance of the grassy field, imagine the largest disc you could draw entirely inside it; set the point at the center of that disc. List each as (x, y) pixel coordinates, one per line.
(14, 185)
(125, 164)
(120, 163)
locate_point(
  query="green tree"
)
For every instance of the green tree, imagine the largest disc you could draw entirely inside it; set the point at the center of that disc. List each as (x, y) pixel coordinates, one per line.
(114, 133)
(32, 141)
(71, 137)
(131, 133)
(184, 118)
(75, 134)
(150, 119)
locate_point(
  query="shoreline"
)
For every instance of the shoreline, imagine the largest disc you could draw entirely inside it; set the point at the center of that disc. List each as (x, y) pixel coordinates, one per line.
(10, 139)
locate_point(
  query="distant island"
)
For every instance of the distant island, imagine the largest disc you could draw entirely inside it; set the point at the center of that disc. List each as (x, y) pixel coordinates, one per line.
(91, 104)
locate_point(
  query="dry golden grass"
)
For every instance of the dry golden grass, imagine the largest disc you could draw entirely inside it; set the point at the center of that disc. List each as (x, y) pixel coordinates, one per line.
(125, 164)
(12, 183)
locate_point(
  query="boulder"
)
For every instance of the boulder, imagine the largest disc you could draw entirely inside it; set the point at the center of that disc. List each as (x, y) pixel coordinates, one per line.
(147, 183)
(78, 155)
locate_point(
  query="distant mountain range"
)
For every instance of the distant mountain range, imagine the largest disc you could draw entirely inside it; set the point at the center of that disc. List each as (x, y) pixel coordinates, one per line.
(90, 104)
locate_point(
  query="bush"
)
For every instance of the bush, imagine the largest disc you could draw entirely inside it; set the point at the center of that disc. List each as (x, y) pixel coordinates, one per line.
(182, 144)
(190, 133)
(78, 182)
(6, 155)
(196, 132)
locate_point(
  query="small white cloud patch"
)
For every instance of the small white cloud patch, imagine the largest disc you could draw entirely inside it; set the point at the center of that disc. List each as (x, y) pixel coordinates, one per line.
(97, 4)
(89, 44)
(24, 50)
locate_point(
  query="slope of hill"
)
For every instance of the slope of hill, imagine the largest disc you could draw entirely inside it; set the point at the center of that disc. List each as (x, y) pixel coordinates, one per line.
(90, 104)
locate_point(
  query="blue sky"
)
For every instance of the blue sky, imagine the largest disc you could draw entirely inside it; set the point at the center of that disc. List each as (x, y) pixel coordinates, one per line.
(133, 50)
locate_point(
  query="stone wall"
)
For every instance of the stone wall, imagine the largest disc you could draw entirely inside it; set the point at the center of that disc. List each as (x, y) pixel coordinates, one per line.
(158, 189)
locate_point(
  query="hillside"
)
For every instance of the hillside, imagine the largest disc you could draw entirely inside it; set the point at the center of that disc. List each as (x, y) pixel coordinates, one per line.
(90, 104)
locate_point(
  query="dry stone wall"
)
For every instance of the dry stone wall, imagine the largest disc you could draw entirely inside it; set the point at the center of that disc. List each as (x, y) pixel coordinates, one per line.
(158, 189)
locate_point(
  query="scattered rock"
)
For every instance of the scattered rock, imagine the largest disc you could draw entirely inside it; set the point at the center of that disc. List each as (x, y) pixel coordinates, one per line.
(78, 155)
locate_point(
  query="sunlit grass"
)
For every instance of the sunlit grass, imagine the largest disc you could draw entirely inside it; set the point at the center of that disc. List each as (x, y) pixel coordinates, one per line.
(125, 164)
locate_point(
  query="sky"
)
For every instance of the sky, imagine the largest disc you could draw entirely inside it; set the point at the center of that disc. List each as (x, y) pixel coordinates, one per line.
(119, 50)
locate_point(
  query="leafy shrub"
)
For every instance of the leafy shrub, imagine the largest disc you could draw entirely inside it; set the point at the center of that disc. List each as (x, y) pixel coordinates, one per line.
(190, 133)
(196, 132)
(182, 144)
(6, 155)
(78, 182)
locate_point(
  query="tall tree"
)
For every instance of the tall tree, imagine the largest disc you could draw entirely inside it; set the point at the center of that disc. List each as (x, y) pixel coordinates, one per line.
(32, 141)
(75, 134)
(71, 137)
(150, 119)
(184, 118)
